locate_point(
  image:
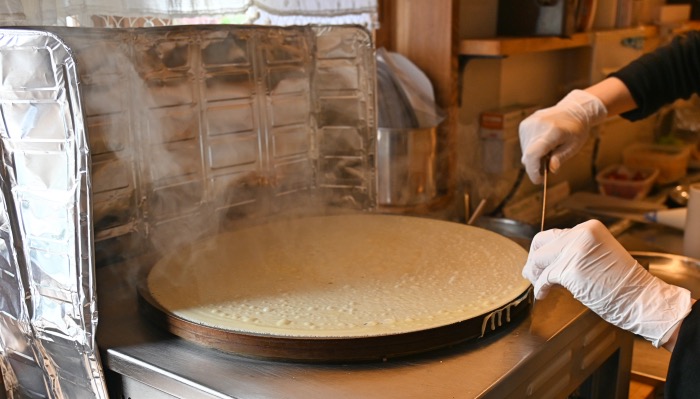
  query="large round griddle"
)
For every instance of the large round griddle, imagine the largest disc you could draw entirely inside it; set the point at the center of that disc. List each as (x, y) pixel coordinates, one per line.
(425, 263)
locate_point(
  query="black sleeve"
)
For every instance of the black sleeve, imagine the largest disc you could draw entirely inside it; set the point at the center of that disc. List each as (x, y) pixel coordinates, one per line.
(658, 78)
(683, 379)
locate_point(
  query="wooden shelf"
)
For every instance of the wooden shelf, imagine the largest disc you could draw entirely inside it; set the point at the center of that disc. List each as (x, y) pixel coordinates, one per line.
(687, 26)
(505, 46)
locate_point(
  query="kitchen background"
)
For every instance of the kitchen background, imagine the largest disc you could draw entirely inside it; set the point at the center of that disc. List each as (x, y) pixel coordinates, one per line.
(475, 69)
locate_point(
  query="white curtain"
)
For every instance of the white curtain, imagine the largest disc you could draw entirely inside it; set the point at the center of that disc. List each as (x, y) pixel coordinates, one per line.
(260, 12)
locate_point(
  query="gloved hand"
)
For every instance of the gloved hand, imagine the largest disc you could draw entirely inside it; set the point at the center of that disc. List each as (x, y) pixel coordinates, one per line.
(588, 261)
(560, 130)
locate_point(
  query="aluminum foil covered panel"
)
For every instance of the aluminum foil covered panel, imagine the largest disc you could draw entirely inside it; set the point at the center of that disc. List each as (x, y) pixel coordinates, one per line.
(47, 300)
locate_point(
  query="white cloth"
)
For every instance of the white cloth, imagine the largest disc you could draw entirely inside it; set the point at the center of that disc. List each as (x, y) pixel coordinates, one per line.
(275, 12)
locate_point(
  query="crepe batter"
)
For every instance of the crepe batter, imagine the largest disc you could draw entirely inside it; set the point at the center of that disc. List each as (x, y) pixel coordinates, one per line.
(343, 276)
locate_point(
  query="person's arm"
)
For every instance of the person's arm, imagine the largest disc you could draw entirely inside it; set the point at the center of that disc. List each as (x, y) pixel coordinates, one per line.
(589, 262)
(669, 73)
(614, 95)
(635, 91)
(559, 131)
(683, 378)
(672, 339)
(562, 130)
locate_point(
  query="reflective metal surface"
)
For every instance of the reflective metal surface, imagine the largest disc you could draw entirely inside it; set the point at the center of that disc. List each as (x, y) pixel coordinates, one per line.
(119, 142)
(674, 269)
(48, 313)
(520, 232)
(679, 195)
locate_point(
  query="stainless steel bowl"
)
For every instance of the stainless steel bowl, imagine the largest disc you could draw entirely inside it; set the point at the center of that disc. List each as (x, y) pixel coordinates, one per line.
(520, 232)
(679, 195)
(674, 269)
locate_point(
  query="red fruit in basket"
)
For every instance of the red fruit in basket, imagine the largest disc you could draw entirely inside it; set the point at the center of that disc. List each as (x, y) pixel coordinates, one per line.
(616, 175)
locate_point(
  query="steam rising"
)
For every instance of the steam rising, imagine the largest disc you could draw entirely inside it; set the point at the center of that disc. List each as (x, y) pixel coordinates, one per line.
(196, 130)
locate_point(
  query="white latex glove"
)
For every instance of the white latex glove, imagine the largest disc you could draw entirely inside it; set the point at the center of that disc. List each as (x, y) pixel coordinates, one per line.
(560, 130)
(588, 261)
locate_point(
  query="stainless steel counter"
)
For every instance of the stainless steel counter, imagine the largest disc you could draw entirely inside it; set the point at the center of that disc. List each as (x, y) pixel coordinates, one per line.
(551, 353)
